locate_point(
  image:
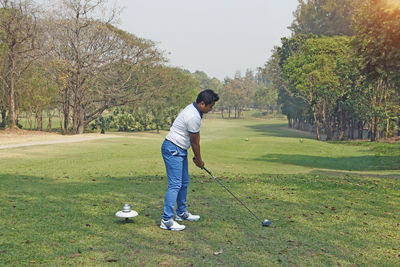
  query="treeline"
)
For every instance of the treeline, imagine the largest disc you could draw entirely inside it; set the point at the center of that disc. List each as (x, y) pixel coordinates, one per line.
(248, 91)
(70, 59)
(339, 72)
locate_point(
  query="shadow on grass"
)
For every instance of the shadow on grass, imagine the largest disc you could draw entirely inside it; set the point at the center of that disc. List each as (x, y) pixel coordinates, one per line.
(85, 210)
(280, 130)
(311, 214)
(343, 173)
(361, 163)
(78, 216)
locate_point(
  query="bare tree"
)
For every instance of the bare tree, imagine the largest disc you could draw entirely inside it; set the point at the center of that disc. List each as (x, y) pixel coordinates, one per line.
(101, 66)
(18, 22)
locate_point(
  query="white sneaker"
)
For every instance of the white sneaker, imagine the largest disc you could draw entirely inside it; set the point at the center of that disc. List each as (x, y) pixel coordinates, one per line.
(187, 216)
(171, 225)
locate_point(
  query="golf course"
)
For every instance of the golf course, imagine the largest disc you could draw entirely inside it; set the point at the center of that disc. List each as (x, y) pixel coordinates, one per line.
(329, 203)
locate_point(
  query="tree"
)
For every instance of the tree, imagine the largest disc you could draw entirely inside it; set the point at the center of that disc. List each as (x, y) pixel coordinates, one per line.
(3, 84)
(207, 82)
(170, 90)
(265, 93)
(100, 66)
(315, 75)
(226, 99)
(176, 89)
(37, 93)
(377, 40)
(18, 24)
(294, 107)
(323, 17)
(238, 93)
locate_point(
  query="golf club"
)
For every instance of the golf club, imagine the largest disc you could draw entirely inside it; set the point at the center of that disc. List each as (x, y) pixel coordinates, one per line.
(264, 223)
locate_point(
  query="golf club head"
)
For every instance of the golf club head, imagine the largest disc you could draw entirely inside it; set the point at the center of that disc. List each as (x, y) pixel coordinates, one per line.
(266, 223)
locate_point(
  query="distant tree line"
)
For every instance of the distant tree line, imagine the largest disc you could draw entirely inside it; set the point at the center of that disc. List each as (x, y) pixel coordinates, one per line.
(253, 90)
(248, 91)
(338, 74)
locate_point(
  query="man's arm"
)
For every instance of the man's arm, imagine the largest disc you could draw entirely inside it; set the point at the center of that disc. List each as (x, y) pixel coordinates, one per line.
(195, 143)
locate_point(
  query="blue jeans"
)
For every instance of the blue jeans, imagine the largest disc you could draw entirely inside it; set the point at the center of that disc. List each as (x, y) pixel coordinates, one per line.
(176, 163)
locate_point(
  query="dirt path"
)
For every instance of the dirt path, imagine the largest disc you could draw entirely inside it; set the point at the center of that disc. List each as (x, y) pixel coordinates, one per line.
(9, 140)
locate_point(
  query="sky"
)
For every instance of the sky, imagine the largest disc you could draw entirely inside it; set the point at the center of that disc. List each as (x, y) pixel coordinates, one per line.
(219, 37)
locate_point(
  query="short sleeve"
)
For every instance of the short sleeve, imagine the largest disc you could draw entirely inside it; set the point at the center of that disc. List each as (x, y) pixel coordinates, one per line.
(193, 124)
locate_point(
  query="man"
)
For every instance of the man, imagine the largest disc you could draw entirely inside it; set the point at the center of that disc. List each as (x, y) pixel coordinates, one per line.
(184, 133)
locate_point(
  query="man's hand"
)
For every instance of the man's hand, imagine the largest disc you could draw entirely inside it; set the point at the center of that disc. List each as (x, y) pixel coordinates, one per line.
(199, 163)
(195, 143)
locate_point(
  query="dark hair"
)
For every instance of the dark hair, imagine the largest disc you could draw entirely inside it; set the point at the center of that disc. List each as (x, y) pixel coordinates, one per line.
(207, 96)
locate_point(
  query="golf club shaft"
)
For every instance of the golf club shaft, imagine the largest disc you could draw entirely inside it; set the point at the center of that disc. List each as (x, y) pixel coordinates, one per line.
(231, 193)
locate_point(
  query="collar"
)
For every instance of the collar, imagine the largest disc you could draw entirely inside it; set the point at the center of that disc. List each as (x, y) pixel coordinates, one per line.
(201, 113)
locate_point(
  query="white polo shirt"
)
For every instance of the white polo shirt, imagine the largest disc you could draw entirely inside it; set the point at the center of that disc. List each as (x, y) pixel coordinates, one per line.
(188, 121)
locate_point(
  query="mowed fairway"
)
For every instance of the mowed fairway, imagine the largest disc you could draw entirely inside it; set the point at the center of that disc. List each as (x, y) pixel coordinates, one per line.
(330, 204)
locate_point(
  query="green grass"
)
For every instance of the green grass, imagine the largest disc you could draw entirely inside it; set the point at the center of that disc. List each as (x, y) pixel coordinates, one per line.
(329, 203)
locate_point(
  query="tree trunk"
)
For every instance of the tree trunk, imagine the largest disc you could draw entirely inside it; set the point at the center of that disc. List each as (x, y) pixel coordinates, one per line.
(316, 123)
(387, 128)
(342, 126)
(75, 117)
(66, 121)
(78, 126)
(374, 129)
(360, 130)
(81, 128)
(80, 121)
(29, 118)
(74, 121)
(329, 132)
(352, 128)
(3, 118)
(61, 125)
(298, 123)
(398, 124)
(289, 121)
(11, 88)
(50, 121)
(66, 109)
(39, 120)
(326, 123)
